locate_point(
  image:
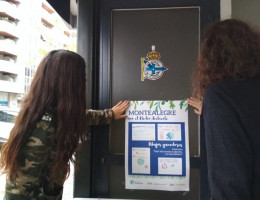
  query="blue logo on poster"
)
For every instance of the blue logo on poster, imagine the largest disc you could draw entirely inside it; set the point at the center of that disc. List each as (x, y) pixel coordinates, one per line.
(169, 136)
(151, 67)
(140, 161)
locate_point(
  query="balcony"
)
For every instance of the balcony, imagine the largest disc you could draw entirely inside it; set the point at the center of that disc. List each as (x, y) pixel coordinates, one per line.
(9, 10)
(47, 7)
(8, 86)
(15, 1)
(8, 29)
(9, 67)
(47, 18)
(8, 47)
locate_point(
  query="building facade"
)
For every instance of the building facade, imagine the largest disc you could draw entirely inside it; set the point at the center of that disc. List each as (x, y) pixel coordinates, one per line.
(29, 29)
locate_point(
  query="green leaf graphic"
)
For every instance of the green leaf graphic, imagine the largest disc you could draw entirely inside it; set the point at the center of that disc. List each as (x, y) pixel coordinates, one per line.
(172, 106)
(134, 103)
(182, 103)
(151, 105)
(157, 106)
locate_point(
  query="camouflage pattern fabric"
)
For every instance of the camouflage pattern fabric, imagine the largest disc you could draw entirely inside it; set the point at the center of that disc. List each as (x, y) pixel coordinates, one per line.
(96, 117)
(37, 158)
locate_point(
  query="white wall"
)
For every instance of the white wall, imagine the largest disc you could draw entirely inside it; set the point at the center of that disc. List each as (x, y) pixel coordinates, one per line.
(225, 9)
(247, 10)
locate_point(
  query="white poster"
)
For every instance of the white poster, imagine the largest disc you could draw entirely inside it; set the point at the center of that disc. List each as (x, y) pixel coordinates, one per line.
(157, 146)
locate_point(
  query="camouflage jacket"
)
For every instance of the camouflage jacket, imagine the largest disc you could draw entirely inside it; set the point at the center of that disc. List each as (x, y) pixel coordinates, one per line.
(37, 158)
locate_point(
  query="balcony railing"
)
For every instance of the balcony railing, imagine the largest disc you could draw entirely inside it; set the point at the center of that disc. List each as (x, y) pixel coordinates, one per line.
(8, 29)
(8, 86)
(47, 18)
(8, 47)
(15, 1)
(8, 67)
(9, 10)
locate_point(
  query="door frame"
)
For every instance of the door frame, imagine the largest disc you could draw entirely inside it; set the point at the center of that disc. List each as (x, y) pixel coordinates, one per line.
(98, 26)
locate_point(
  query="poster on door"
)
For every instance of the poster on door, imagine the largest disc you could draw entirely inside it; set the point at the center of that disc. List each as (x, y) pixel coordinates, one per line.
(157, 145)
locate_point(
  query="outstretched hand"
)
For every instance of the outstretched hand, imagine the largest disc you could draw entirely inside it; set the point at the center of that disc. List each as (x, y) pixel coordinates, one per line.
(196, 103)
(119, 109)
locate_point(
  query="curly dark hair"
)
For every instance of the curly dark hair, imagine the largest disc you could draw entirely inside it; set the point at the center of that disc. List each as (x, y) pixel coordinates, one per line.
(229, 49)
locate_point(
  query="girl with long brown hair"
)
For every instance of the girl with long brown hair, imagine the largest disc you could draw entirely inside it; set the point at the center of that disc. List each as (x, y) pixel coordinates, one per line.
(227, 78)
(48, 128)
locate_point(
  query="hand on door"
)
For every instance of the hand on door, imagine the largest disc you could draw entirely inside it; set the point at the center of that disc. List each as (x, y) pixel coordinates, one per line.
(119, 109)
(196, 103)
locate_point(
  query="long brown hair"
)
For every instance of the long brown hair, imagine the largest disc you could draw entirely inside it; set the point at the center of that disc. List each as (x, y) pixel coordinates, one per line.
(229, 49)
(59, 84)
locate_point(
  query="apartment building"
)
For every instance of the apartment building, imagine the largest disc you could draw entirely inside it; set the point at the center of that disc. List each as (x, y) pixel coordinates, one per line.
(10, 71)
(29, 29)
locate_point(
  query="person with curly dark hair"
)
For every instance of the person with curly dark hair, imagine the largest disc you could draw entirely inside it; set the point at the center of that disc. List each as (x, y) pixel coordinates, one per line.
(47, 131)
(227, 79)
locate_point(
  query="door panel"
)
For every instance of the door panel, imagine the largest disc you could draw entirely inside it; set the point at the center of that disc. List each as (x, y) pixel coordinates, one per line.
(123, 32)
(175, 34)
